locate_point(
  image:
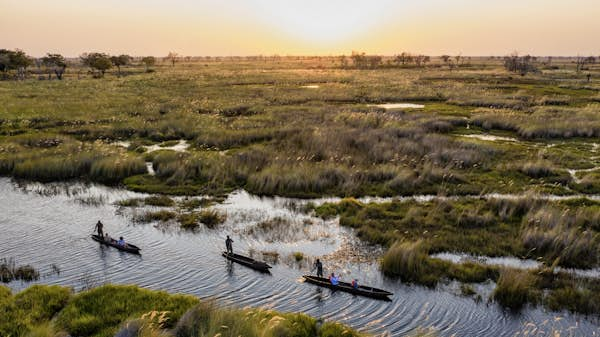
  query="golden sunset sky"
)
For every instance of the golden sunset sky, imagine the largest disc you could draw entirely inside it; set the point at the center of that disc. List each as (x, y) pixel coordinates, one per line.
(308, 27)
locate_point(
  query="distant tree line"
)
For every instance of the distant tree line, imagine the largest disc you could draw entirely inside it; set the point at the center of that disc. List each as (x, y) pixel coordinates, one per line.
(14, 63)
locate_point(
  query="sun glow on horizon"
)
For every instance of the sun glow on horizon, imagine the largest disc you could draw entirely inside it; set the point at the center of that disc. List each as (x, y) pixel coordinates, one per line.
(251, 27)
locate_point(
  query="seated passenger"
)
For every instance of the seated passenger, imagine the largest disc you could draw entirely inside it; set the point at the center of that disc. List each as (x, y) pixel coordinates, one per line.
(355, 284)
(334, 279)
(121, 242)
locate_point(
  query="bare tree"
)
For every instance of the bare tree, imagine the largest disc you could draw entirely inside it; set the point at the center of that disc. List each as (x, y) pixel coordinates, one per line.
(421, 60)
(172, 57)
(582, 61)
(520, 64)
(403, 58)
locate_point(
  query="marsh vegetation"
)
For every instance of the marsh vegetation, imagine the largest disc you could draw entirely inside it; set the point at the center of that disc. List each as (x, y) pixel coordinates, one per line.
(374, 128)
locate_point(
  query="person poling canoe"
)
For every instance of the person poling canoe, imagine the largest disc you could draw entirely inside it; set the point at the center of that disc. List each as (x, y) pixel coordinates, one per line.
(319, 267)
(229, 245)
(99, 227)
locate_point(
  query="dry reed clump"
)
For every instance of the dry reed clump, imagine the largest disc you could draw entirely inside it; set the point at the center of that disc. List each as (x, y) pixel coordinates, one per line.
(10, 271)
(409, 261)
(515, 288)
(162, 216)
(538, 169)
(159, 200)
(211, 218)
(544, 122)
(555, 233)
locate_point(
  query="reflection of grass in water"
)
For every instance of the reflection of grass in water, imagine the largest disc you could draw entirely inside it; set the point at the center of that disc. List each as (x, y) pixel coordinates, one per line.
(281, 229)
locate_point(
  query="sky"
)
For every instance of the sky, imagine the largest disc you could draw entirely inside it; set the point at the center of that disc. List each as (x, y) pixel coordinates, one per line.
(307, 27)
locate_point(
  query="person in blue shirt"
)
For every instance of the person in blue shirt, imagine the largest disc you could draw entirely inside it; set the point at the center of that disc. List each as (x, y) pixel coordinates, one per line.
(334, 279)
(121, 242)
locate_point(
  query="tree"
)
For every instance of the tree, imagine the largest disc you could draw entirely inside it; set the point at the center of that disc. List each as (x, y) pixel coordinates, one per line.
(520, 64)
(16, 60)
(55, 63)
(4, 60)
(343, 61)
(121, 60)
(364, 61)
(172, 57)
(97, 61)
(148, 61)
(403, 58)
(421, 60)
(445, 58)
(582, 61)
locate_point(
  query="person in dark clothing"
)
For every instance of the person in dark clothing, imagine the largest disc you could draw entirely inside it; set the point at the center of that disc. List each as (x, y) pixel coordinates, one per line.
(99, 227)
(319, 267)
(229, 245)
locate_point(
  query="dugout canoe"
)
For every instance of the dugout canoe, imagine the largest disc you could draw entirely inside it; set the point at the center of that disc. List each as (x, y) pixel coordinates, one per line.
(248, 262)
(133, 249)
(347, 287)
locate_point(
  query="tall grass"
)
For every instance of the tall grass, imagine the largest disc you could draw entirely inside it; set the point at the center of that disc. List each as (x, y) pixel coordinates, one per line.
(52, 169)
(99, 312)
(114, 169)
(29, 311)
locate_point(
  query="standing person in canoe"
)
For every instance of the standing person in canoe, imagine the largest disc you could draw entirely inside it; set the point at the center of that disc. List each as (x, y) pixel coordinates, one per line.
(229, 245)
(99, 226)
(319, 266)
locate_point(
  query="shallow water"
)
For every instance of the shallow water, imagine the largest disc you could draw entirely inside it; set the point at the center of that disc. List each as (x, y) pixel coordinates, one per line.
(491, 138)
(44, 225)
(181, 146)
(512, 262)
(400, 106)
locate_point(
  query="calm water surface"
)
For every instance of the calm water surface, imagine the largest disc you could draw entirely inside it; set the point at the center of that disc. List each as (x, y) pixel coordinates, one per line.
(45, 225)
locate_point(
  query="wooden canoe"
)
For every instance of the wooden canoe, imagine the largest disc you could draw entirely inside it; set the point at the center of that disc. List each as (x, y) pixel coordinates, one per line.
(113, 243)
(347, 287)
(248, 262)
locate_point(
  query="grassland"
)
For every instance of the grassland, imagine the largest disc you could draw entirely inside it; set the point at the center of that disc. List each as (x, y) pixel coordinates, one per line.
(254, 125)
(49, 311)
